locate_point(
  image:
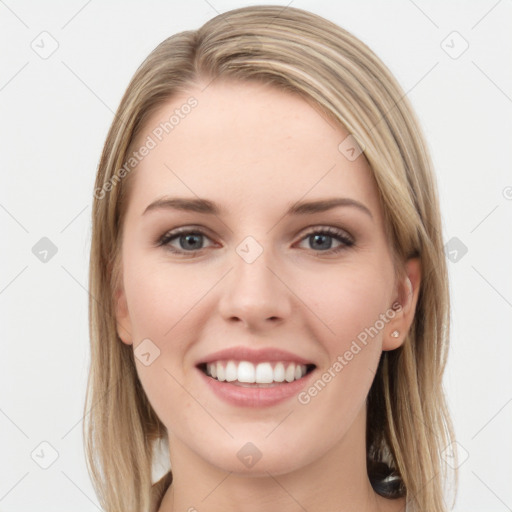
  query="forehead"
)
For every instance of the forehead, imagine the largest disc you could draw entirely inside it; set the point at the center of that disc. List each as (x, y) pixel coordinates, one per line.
(244, 145)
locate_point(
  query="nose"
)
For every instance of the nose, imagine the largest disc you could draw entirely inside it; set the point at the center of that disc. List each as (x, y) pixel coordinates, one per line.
(255, 293)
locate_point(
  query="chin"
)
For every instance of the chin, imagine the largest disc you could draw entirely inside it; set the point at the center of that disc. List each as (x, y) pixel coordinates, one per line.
(256, 459)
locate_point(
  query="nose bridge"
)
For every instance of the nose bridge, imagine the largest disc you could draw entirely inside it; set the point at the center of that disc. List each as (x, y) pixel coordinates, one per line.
(253, 292)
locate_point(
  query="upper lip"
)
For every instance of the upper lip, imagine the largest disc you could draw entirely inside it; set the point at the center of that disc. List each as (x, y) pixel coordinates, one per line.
(242, 353)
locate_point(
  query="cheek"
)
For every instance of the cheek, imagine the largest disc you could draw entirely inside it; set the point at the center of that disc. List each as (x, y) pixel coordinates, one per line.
(160, 296)
(346, 302)
(348, 306)
(163, 303)
(159, 303)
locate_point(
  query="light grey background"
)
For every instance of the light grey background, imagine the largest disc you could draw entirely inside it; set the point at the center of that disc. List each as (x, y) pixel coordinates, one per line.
(56, 110)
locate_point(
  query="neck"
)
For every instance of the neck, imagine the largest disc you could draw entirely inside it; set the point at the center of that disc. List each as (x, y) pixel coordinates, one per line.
(336, 481)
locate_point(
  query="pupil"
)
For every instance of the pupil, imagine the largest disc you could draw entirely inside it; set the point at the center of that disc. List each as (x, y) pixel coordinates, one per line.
(189, 237)
(316, 237)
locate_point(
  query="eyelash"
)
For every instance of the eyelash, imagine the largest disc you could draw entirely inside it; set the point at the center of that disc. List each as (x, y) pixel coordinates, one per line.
(330, 231)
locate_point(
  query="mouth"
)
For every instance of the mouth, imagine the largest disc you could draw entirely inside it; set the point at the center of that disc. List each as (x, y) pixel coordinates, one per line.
(255, 375)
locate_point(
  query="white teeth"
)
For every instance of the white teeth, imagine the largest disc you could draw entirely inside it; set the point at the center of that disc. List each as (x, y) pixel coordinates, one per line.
(221, 373)
(290, 373)
(231, 371)
(245, 372)
(279, 372)
(262, 373)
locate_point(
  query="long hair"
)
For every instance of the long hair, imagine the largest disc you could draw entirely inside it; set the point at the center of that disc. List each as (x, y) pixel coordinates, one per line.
(408, 423)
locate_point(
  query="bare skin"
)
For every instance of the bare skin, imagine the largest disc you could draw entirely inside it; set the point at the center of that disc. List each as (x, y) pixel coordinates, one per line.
(256, 151)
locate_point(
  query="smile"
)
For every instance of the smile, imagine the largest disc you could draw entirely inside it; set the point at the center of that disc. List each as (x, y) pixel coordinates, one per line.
(239, 393)
(265, 373)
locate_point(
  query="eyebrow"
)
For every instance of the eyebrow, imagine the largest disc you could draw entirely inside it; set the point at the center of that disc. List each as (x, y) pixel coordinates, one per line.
(210, 208)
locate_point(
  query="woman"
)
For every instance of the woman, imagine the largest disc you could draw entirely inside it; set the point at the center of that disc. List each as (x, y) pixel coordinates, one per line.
(269, 293)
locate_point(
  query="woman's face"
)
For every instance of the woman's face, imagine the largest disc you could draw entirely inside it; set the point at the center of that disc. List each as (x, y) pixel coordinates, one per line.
(253, 275)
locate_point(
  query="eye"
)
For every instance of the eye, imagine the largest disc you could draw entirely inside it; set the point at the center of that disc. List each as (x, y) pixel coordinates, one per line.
(189, 241)
(322, 238)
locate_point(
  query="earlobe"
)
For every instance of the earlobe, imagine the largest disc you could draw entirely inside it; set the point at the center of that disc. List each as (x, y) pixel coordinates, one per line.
(122, 317)
(407, 292)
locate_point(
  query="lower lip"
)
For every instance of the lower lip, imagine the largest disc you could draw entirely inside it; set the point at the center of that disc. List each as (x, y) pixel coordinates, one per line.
(253, 396)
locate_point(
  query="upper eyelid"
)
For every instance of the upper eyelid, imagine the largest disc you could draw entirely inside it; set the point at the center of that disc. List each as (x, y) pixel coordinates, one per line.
(192, 228)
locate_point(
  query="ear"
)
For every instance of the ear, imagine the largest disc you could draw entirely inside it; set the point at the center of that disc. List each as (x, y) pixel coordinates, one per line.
(407, 296)
(123, 317)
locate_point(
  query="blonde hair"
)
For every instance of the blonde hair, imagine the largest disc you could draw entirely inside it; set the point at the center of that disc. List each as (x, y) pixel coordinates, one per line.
(408, 423)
